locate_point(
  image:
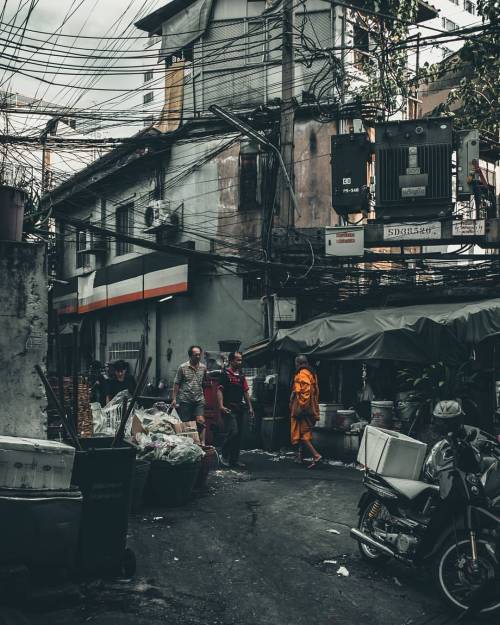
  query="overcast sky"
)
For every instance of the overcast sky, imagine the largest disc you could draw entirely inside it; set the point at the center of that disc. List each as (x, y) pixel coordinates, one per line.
(91, 17)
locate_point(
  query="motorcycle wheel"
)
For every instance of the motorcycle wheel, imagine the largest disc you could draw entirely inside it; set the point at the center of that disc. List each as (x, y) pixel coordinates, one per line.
(364, 525)
(459, 585)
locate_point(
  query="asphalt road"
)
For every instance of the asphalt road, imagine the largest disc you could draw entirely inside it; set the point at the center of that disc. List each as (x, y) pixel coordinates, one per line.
(256, 549)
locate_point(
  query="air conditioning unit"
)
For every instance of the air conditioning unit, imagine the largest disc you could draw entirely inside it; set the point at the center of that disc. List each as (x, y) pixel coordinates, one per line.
(159, 216)
(413, 168)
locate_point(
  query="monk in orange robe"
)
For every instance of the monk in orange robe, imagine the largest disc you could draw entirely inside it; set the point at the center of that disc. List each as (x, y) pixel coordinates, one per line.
(304, 409)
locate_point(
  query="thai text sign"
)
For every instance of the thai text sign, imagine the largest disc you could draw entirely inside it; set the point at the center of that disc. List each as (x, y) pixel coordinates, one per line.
(468, 228)
(345, 241)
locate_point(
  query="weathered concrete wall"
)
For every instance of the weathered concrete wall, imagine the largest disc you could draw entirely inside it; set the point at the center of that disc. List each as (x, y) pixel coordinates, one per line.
(212, 310)
(23, 338)
(313, 177)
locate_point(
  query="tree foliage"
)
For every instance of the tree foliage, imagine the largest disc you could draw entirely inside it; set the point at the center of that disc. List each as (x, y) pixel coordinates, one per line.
(477, 68)
(389, 78)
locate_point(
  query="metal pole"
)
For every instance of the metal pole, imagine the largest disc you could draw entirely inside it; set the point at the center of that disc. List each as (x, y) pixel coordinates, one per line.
(74, 372)
(288, 202)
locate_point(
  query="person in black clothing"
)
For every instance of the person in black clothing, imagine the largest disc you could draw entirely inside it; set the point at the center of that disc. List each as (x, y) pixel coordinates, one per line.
(231, 393)
(119, 381)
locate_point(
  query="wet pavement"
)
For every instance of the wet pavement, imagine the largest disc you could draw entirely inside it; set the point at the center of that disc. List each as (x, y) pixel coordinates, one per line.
(268, 545)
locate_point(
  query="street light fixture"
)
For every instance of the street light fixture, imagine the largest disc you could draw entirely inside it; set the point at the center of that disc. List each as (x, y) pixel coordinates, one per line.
(248, 131)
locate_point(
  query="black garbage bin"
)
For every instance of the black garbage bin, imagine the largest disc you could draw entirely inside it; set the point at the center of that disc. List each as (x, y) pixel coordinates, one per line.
(38, 538)
(39, 528)
(104, 475)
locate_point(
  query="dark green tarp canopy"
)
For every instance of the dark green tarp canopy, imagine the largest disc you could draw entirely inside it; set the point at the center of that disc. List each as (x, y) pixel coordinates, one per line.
(426, 333)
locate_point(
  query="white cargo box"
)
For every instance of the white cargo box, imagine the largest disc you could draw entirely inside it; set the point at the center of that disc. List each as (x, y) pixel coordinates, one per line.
(33, 463)
(392, 454)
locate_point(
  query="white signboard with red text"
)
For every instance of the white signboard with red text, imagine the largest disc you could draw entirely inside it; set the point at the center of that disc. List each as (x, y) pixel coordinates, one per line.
(345, 241)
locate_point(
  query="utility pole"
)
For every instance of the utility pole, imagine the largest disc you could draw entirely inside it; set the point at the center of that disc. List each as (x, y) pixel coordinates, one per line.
(287, 212)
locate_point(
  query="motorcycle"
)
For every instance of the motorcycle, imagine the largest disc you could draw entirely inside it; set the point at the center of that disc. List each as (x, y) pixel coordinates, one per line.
(446, 522)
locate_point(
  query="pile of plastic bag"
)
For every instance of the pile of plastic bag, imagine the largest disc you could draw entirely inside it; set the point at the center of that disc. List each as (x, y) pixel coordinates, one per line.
(161, 438)
(157, 419)
(167, 447)
(106, 420)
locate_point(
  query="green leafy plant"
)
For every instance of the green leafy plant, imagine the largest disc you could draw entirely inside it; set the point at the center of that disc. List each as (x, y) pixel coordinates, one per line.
(438, 381)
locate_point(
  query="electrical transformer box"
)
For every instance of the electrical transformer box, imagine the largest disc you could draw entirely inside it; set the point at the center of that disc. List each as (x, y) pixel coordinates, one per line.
(413, 168)
(350, 156)
(467, 154)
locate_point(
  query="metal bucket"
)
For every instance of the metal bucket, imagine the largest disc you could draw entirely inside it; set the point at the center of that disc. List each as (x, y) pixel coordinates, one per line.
(406, 412)
(328, 415)
(382, 413)
(344, 419)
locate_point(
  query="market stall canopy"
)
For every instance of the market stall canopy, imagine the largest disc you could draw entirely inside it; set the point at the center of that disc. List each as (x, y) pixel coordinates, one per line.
(426, 333)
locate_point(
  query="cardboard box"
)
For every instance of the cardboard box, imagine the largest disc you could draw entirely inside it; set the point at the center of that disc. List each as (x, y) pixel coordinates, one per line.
(392, 454)
(35, 464)
(188, 428)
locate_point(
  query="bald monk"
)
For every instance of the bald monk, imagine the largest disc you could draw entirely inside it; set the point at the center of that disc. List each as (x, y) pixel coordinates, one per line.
(304, 409)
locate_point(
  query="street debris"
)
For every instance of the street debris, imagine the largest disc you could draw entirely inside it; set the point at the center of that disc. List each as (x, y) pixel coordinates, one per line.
(282, 455)
(329, 561)
(332, 531)
(343, 572)
(397, 582)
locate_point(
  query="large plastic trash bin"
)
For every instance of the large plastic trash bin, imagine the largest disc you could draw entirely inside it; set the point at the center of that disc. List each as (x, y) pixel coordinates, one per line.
(171, 485)
(141, 476)
(39, 528)
(104, 475)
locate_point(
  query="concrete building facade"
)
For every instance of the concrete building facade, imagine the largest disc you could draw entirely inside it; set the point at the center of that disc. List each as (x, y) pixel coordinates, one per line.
(23, 340)
(191, 182)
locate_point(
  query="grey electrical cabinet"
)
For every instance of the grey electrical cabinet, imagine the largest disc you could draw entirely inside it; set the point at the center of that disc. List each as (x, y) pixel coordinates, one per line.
(467, 153)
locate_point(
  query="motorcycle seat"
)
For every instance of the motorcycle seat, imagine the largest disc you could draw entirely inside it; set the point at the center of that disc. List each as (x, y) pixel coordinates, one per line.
(410, 489)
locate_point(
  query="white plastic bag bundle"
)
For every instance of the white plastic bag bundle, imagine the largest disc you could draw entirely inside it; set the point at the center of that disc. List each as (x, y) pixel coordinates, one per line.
(169, 448)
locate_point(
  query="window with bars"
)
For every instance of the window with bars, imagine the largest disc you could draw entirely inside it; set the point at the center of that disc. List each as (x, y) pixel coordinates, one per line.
(361, 44)
(253, 286)
(148, 97)
(124, 225)
(125, 351)
(148, 76)
(315, 28)
(249, 177)
(82, 260)
(470, 7)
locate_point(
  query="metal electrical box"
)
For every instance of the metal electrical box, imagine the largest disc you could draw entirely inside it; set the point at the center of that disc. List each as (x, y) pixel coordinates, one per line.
(467, 151)
(413, 168)
(350, 156)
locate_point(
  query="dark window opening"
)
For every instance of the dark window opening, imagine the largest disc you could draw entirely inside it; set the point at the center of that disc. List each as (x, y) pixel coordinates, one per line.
(249, 178)
(361, 44)
(470, 7)
(82, 260)
(124, 225)
(148, 76)
(103, 212)
(159, 184)
(148, 97)
(253, 286)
